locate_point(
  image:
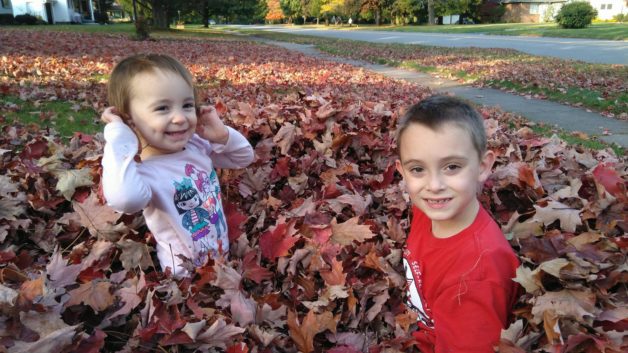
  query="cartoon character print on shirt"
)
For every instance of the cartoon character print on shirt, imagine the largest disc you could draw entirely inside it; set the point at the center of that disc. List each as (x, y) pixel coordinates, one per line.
(211, 231)
(214, 204)
(194, 218)
(200, 178)
(414, 299)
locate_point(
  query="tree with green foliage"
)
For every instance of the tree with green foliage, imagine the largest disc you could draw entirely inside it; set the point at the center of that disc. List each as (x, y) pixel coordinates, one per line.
(313, 9)
(377, 7)
(291, 9)
(578, 14)
(406, 9)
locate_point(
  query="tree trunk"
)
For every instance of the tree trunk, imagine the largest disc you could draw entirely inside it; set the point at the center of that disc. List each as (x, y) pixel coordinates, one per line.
(205, 13)
(430, 12)
(377, 17)
(160, 14)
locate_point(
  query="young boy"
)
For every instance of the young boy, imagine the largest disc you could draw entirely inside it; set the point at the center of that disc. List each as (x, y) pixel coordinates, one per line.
(459, 266)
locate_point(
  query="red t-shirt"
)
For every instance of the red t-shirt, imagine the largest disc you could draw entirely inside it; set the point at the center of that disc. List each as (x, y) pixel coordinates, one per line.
(460, 286)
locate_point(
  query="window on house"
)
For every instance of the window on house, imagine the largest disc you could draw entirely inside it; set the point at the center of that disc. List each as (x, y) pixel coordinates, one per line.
(6, 3)
(603, 6)
(609, 6)
(534, 9)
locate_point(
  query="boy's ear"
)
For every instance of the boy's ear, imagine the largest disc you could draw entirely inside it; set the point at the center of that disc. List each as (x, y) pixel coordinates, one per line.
(486, 165)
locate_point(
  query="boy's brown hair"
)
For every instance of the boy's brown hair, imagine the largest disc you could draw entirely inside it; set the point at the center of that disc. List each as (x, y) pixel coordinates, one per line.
(437, 111)
(119, 91)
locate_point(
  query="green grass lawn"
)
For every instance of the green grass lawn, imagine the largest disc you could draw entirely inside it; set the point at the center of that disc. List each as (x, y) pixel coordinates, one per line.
(66, 118)
(600, 30)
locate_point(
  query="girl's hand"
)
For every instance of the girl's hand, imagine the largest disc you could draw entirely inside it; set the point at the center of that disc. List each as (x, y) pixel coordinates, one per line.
(110, 115)
(210, 127)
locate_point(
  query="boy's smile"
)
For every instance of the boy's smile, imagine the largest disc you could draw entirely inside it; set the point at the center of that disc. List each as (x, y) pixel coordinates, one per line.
(163, 111)
(442, 172)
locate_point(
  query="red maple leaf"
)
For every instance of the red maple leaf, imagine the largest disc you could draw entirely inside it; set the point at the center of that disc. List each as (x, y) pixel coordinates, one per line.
(35, 150)
(252, 270)
(608, 177)
(235, 219)
(276, 243)
(238, 348)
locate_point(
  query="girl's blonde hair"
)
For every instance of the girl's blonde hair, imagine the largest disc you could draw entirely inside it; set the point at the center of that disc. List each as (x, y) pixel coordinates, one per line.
(119, 91)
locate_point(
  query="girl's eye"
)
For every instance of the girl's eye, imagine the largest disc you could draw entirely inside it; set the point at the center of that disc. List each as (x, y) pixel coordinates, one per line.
(452, 167)
(161, 108)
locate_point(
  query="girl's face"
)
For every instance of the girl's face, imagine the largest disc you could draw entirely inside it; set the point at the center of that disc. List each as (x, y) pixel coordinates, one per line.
(190, 204)
(163, 112)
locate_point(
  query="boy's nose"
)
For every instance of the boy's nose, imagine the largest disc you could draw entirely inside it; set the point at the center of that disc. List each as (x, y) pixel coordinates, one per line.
(435, 182)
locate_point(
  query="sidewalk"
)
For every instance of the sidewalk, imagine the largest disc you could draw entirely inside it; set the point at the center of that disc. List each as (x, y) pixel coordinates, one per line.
(562, 116)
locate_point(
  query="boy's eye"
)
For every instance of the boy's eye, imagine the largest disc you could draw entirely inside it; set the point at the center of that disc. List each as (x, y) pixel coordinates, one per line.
(188, 106)
(416, 170)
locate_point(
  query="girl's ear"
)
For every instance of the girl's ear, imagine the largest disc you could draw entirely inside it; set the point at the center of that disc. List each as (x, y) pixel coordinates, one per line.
(486, 165)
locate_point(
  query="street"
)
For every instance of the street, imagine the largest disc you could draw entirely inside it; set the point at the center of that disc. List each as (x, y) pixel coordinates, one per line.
(588, 50)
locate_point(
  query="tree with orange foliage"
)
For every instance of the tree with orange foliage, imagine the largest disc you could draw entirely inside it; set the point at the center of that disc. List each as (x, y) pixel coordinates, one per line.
(274, 11)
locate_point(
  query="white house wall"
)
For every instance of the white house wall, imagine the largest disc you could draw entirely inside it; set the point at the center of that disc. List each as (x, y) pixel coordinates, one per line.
(60, 10)
(617, 7)
(6, 10)
(549, 11)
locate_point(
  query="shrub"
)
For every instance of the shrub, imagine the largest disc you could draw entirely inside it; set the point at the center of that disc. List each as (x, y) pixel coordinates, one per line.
(26, 19)
(6, 19)
(577, 14)
(621, 17)
(101, 17)
(549, 14)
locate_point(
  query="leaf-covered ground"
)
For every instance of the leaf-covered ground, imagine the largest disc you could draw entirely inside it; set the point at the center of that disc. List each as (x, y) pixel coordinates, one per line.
(317, 223)
(601, 88)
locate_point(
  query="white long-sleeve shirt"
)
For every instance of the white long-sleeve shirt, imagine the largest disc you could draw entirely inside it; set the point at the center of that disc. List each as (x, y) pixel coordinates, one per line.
(179, 193)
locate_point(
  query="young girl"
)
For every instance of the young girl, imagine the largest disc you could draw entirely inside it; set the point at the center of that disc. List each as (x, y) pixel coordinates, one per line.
(153, 110)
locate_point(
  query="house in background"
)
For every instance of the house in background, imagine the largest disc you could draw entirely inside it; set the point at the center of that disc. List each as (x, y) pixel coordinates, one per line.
(538, 11)
(56, 11)
(5, 7)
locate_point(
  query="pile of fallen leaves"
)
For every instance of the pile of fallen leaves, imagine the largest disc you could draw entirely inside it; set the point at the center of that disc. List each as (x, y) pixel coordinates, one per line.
(494, 67)
(317, 223)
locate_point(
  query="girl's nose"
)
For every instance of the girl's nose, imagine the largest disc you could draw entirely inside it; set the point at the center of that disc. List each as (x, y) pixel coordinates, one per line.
(178, 117)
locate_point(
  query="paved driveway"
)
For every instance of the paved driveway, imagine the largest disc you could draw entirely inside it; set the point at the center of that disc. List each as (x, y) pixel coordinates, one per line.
(588, 50)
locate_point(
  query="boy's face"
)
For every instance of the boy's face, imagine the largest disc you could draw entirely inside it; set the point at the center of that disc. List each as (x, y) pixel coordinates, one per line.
(442, 172)
(163, 111)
